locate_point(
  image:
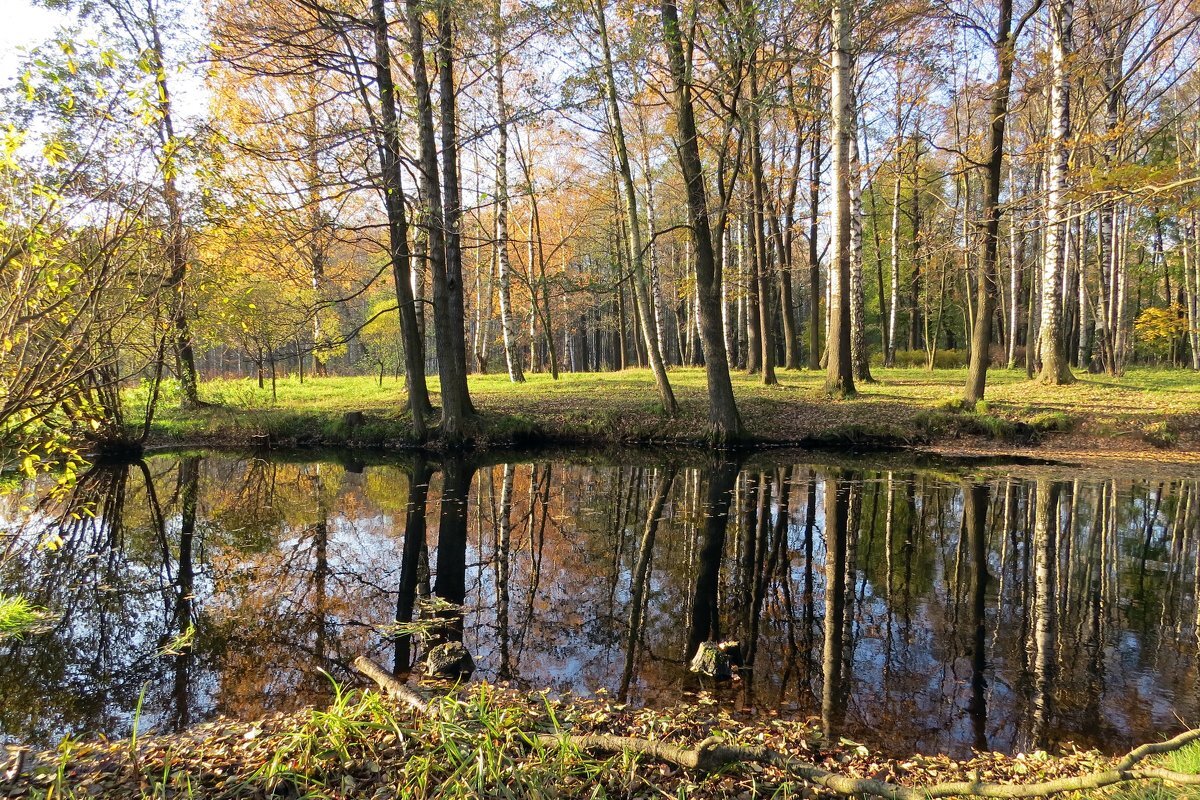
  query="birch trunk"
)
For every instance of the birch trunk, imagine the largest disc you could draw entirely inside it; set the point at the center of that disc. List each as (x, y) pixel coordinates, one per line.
(1055, 369)
(894, 277)
(508, 320)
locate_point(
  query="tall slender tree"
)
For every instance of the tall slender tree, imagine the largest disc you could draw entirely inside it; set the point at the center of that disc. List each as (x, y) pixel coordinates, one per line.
(1004, 50)
(508, 318)
(633, 227)
(725, 424)
(839, 372)
(455, 400)
(1056, 368)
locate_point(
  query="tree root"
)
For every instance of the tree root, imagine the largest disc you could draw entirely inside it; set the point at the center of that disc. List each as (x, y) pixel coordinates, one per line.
(712, 754)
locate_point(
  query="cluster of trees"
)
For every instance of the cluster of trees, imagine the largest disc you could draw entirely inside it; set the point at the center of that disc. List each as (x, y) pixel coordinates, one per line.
(454, 184)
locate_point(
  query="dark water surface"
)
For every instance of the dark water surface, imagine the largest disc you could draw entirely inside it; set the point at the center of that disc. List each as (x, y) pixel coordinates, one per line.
(914, 609)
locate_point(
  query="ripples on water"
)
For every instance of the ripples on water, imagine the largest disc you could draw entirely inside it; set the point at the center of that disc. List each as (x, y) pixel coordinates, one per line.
(918, 610)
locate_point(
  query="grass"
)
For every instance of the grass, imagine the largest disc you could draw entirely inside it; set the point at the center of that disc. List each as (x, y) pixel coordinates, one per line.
(1185, 760)
(477, 742)
(19, 617)
(483, 741)
(903, 404)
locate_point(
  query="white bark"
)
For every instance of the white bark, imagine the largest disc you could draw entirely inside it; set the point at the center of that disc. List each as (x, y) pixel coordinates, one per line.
(1054, 365)
(894, 268)
(508, 320)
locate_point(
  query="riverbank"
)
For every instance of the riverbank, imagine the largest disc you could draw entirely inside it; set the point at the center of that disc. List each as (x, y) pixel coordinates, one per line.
(1147, 414)
(489, 741)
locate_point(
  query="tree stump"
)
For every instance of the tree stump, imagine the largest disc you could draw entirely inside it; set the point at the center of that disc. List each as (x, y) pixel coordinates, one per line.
(712, 660)
(449, 660)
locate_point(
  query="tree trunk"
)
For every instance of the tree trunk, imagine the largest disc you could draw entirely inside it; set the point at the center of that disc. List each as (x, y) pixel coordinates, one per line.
(455, 407)
(633, 224)
(839, 374)
(176, 237)
(815, 318)
(508, 319)
(391, 171)
(452, 367)
(1016, 254)
(988, 283)
(725, 424)
(754, 331)
(859, 355)
(894, 273)
(757, 221)
(915, 341)
(1055, 369)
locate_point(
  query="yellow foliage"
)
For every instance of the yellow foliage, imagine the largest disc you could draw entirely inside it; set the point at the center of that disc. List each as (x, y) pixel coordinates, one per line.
(1157, 327)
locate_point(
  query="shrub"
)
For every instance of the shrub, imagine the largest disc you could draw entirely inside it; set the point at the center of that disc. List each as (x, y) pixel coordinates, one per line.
(1160, 434)
(1052, 422)
(914, 359)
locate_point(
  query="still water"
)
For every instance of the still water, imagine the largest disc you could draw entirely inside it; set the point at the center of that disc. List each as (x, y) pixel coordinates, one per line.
(916, 609)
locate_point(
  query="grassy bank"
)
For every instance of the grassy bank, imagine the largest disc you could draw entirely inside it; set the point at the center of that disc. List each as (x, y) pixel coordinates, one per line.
(1146, 411)
(485, 741)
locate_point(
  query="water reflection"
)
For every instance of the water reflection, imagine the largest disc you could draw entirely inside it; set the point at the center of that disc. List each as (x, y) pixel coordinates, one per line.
(917, 610)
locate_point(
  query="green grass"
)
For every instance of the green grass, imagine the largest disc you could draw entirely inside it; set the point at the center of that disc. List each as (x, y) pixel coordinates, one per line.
(477, 742)
(19, 617)
(485, 741)
(1185, 760)
(623, 407)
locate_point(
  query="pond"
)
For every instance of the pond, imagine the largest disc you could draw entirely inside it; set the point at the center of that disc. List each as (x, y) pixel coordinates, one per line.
(915, 608)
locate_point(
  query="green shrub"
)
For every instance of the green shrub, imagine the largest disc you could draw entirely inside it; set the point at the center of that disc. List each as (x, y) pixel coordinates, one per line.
(945, 421)
(909, 359)
(1052, 422)
(1160, 434)
(951, 405)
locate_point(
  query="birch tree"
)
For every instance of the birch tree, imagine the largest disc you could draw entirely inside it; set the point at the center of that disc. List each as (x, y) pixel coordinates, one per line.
(508, 320)
(1055, 367)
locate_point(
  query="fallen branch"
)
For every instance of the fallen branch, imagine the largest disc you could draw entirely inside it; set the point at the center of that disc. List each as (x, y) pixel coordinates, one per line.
(392, 687)
(712, 754)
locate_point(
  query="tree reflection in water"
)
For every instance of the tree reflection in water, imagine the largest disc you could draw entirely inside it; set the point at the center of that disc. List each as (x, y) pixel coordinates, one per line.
(912, 610)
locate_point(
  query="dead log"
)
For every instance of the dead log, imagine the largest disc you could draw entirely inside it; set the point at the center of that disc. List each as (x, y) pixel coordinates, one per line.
(712, 754)
(392, 687)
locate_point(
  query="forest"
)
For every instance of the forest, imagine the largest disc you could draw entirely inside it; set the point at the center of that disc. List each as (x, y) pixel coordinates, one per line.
(597, 398)
(428, 191)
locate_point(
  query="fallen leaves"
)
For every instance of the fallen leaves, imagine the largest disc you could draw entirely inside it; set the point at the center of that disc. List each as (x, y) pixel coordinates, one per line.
(481, 741)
